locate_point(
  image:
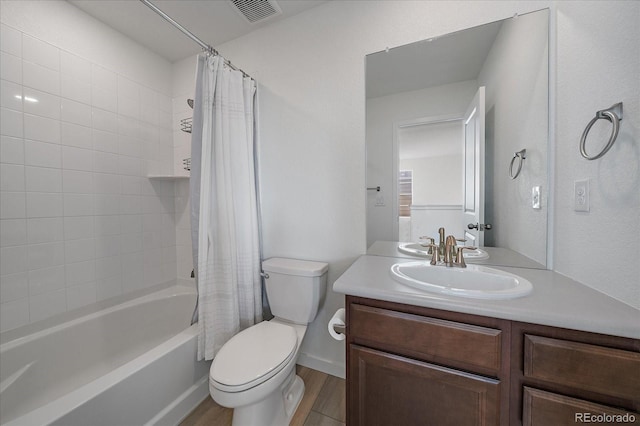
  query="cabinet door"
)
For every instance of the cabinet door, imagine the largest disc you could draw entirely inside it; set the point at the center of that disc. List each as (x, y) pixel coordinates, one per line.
(387, 389)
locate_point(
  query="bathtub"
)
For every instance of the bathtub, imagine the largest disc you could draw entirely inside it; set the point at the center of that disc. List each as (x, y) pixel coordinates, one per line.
(129, 364)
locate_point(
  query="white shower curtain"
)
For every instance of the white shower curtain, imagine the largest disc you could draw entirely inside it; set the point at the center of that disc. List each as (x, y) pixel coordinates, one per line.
(224, 211)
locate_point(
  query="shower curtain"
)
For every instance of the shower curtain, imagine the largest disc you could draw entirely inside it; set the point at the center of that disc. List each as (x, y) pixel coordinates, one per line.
(224, 208)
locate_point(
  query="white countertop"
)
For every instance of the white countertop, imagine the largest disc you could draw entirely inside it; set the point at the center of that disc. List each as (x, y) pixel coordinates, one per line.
(555, 300)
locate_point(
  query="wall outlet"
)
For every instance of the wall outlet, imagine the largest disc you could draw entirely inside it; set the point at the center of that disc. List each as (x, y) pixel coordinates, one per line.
(535, 197)
(581, 195)
(379, 200)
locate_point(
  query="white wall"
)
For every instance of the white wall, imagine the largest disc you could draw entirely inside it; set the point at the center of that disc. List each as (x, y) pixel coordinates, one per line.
(517, 105)
(436, 180)
(80, 222)
(598, 65)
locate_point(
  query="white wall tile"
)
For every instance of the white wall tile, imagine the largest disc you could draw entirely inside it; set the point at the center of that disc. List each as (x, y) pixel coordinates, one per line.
(13, 260)
(11, 177)
(10, 95)
(11, 122)
(42, 154)
(14, 314)
(131, 185)
(10, 68)
(105, 141)
(79, 250)
(45, 255)
(70, 88)
(39, 52)
(107, 246)
(106, 204)
(12, 205)
(42, 204)
(130, 243)
(107, 225)
(48, 304)
(14, 287)
(41, 103)
(80, 272)
(75, 112)
(77, 68)
(40, 78)
(104, 78)
(13, 232)
(130, 147)
(108, 267)
(129, 127)
(77, 159)
(10, 40)
(78, 227)
(75, 181)
(81, 295)
(128, 107)
(109, 287)
(43, 179)
(78, 204)
(106, 183)
(76, 135)
(41, 128)
(105, 162)
(44, 230)
(130, 205)
(11, 150)
(46, 279)
(129, 166)
(104, 99)
(131, 224)
(105, 120)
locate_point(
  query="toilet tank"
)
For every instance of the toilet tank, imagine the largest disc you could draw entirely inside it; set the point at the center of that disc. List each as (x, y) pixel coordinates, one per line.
(295, 288)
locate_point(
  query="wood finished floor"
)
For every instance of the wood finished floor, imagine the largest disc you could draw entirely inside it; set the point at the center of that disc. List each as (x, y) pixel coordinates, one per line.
(323, 404)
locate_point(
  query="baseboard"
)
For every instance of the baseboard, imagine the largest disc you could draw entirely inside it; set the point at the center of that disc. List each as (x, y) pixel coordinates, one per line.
(322, 365)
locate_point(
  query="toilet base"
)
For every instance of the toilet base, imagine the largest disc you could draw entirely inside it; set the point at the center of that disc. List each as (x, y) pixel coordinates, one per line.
(277, 409)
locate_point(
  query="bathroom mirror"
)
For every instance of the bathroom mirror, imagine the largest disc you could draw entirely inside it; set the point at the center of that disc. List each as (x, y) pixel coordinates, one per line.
(445, 118)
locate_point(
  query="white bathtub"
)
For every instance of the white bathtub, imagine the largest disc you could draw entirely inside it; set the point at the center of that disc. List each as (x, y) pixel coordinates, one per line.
(130, 364)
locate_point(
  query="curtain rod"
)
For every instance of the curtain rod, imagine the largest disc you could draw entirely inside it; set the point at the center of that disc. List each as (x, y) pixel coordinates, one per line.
(203, 45)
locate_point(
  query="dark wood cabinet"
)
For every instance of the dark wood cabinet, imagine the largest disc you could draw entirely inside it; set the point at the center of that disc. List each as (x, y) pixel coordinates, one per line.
(409, 365)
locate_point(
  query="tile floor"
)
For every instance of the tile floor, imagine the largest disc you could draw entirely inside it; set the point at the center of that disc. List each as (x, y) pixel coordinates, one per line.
(323, 404)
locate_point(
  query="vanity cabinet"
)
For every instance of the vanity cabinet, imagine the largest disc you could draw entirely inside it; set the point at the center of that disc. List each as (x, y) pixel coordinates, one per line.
(409, 365)
(416, 366)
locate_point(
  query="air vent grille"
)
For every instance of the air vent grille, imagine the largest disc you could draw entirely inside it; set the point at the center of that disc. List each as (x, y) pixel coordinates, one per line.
(257, 10)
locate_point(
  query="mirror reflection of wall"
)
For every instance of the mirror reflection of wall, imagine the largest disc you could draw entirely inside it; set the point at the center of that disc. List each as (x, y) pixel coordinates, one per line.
(434, 81)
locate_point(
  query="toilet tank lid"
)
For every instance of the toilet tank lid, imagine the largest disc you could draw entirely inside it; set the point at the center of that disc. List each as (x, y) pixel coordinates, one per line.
(303, 268)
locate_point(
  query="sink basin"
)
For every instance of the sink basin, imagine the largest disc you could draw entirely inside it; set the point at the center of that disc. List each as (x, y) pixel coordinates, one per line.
(474, 281)
(415, 249)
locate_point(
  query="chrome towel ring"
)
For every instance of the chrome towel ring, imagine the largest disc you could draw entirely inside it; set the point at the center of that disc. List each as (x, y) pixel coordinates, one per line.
(520, 155)
(614, 115)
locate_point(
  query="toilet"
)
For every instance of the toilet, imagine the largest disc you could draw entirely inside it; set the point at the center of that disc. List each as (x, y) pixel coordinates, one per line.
(254, 372)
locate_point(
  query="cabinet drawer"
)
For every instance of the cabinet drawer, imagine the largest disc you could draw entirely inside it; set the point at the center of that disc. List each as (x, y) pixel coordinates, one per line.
(426, 338)
(607, 371)
(542, 408)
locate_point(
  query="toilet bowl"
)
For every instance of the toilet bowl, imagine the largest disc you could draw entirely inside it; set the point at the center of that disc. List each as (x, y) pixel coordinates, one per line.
(254, 372)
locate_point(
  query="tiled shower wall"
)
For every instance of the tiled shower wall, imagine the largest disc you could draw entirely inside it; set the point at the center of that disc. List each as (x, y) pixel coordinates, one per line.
(80, 222)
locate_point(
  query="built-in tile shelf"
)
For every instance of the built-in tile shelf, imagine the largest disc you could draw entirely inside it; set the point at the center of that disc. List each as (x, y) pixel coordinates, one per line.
(167, 177)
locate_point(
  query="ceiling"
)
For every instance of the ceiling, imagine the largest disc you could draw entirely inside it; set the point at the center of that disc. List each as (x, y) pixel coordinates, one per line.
(213, 21)
(441, 60)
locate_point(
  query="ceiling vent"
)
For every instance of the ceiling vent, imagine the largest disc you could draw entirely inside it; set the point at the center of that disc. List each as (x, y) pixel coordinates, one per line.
(256, 11)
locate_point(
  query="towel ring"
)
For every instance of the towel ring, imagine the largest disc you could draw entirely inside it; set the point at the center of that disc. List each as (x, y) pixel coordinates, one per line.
(614, 115)
(520, 155)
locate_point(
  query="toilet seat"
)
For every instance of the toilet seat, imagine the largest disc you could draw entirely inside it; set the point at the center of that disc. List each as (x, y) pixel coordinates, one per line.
(253, 356)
